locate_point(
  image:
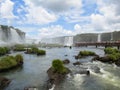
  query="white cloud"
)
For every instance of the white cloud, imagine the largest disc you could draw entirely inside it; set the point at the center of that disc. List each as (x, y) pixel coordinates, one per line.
(6, 9)
(54, 31)
(57, 5)
(38, 15)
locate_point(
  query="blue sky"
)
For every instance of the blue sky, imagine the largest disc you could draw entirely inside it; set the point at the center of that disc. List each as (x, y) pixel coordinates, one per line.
(53, 18)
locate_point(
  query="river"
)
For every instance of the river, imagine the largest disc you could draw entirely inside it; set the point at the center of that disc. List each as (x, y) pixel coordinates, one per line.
(33, 72)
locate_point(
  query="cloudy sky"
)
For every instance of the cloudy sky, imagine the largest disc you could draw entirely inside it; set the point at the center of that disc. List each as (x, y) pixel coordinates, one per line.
(51, 18)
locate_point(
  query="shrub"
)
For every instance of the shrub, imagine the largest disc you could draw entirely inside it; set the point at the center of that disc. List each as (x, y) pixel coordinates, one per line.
(19, 58)
(114, 56)
(86, 53)
(19, 47)
(7, 62)
(110, 50)
(41, 52)
(10, 61)
(2, 51)
(7, 50)
(58, 66)
(34, 50)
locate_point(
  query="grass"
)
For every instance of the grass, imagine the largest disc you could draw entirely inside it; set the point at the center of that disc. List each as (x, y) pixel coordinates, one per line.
(10, 61)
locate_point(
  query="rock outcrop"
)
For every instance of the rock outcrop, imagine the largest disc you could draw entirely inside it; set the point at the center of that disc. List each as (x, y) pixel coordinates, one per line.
(55, 77)
(66, 61)
(4, 82)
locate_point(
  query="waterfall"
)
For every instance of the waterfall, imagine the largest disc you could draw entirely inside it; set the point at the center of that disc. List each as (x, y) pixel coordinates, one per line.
(9, 35)
(15, 38)
(99, 38)
(2, 42)
(68, 41)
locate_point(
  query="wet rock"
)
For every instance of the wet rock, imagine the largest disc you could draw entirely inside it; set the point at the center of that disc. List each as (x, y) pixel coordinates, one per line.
(87, 72)
(50, 83)
(117, 63)
(66, 55)
(55, 77)
(95, 69)
(77, 63)
(66, 61)
(31, 88)
(104, 59)
(77, 57)
(96, 58)
(4, 82)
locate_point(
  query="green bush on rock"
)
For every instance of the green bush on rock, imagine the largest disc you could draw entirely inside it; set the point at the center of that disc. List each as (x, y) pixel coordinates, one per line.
(19, 47)
(114, 57)
(86, 53)
(110, 50)
(4, 50)
(19, 58)
(35, 50)
(8, 62)
(41, 52)
(58, 66)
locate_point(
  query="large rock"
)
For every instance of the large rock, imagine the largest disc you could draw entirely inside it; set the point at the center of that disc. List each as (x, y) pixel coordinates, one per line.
(4, 82)
(77, 63)
(55, 77)
(95, 58)
(117, 63)
(66, 61)
(31, 88)
(87, 72)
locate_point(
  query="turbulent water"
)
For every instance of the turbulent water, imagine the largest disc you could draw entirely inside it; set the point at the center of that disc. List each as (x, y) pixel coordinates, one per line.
(33, 72)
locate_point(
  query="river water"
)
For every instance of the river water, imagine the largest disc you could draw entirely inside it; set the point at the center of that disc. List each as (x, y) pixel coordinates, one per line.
(33, 72)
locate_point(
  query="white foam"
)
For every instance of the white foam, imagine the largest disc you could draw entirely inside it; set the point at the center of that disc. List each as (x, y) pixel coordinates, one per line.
(53, 87)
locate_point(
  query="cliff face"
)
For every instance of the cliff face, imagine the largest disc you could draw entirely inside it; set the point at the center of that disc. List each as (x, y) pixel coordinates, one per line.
(88, 37)
(95, 37)
(9, 34)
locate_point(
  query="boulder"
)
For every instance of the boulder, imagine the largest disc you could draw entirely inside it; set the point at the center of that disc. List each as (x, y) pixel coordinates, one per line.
(65, 55)
(96, 58)
(4, 82)
(87, 72)
(66, 61)
(77, 63)
(117, 63)
(31, 88)
(55, 77)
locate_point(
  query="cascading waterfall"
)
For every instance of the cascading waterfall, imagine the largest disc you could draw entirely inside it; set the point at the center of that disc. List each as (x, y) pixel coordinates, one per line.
(68, 41)
(9, 35)
(1, 37)
(15, 38)
(99, 38)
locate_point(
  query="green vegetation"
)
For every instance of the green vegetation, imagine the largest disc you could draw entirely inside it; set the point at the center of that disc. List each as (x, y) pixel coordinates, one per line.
(58, 66)
(112, 53)
(114, 56)
(4, 50)
(8, 62)
(110, 50)
(19, 47)
(86, 53)
(35, 50)
(19, 58)
(41, 52)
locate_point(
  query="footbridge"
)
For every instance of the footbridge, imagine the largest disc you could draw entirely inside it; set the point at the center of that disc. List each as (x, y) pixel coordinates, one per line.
(104, 44)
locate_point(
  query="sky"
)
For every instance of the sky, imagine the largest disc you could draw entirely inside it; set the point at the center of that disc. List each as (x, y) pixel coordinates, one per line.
(54, 18)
